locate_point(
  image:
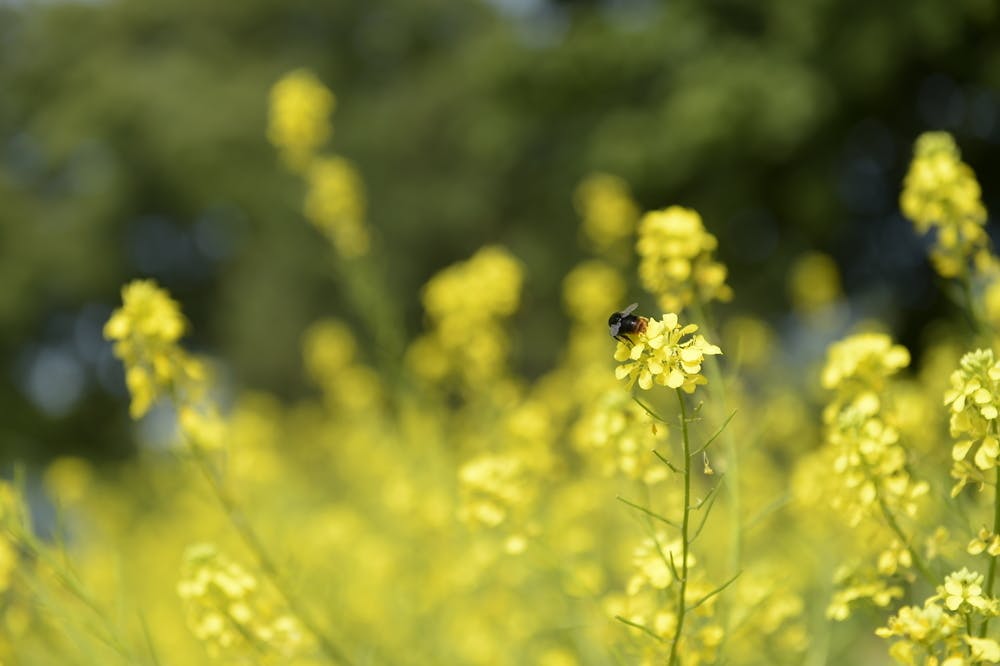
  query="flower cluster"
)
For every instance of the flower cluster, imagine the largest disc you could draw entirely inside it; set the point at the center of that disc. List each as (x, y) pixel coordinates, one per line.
(299, 122)
(335, 204)
(335, 199)
(974, 404)
(491, 487)
(941, 630)
(466, 304)
(657, 563)
(665, 353)
(855, 582)
(859, 366)
(330, 357)
(607, 209)
(873, 479)
(146, 330)
(229, 611)
(941, 193)
(619, 435)
(675, 259)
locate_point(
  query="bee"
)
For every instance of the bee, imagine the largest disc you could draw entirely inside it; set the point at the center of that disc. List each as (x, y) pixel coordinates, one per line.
(625, 323)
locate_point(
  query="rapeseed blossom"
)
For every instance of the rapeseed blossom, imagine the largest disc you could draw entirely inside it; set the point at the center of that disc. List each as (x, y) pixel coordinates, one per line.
(146, 330)
(230, 611)
(299, 121)
(675, 259)
(335, 204)
(608, 211)
(466, 304)
(941, 194)
(665, 353)
(974, 405)
(873, 480)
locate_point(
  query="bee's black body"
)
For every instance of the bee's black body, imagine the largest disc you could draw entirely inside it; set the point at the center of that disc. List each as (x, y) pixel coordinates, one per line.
(624, 323)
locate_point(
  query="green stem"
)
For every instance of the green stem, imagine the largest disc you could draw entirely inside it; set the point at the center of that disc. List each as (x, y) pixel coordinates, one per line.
(253, 542)
(894, 524)
(684, 531)
(729, 442)
(991, 575)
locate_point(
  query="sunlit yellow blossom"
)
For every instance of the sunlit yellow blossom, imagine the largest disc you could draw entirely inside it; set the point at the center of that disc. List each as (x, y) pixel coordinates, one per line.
(974, 403)
(228, 610)
(984, 541)
(299, 121)
(863, 360)
(665, 353)
(925, 625)
(676, 264)
(940, 192)
(983, 649)
(607, 209)
(963, 591)
(146, 330)
(335, 204)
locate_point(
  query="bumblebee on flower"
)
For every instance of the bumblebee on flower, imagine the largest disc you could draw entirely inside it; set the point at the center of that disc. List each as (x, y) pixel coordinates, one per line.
(659, 351)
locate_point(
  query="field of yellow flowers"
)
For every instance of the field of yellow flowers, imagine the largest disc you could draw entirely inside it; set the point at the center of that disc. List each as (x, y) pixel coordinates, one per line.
(684, 494)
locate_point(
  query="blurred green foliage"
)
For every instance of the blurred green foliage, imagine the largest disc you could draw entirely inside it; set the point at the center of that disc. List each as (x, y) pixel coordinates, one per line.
(132, 144)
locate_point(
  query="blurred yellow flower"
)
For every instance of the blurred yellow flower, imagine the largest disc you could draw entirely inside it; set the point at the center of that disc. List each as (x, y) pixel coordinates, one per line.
(941, 193)
(146, 330)
(335, 204)
(675, 259)
(229, 611)
(299, 120)
(607, 209)
(592, 291)
(813, 282)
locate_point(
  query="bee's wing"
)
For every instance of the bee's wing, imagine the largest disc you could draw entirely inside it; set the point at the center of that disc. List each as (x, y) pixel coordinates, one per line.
(629, 309)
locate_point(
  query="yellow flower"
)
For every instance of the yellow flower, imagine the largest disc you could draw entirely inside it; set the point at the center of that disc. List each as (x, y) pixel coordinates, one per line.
(676, 264)
(974, 403)
(665, 353)
(922, 625)
(984, 541)
(983, 649)
(231, 612)
(335, 204)
(962, 591)
(863, 360)
(146, 330)
(466, 303)
(299, 121)
(608, 212)
(940, 192)
(491, 486)
(591, 291)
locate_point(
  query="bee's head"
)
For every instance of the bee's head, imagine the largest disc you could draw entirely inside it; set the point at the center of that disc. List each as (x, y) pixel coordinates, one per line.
(615, 324)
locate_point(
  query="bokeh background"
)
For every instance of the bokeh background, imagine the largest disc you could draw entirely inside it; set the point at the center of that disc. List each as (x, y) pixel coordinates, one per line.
(132, 144)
